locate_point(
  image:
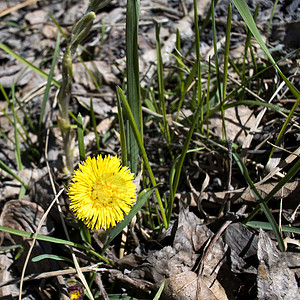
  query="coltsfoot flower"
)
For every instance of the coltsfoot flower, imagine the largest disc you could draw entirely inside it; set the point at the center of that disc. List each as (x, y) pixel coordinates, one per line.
(101, 192)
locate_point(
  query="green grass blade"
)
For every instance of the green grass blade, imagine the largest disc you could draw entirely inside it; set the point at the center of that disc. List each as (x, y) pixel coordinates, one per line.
(26, 116)
(122, 131)
(256, 103)
(247, 45)
(49, 80)
(224, 133)
(271, 19)
(8, 170)
(174, 179)
(141, 199)
(133, 82)
(159, 292)
(6, 114)
(17, 145)
(243, 9)
(261, 201)
(51, 256)
(284, 126)
(93, 118)
(50, 239)
(41, 237)
(161, 86)
(208, 95)
(28, 64)
(226, 51)
(80, 137)
(198, 62)
(59, 27)
(90, 73)
(289, 175)
(143, 152)
(11, 247)
(267, 226)
(180, 65)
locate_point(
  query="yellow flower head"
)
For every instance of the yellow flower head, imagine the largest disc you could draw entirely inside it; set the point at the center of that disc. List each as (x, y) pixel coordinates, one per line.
(102, 191)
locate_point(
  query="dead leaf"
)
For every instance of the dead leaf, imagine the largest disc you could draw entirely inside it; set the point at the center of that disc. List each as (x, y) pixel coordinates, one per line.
(101, 71)
(275, 280)
(288, 192)
(6, 275)
(181, 286)
(36, 17)
(238, 121)
(24, 215)
(243, 248)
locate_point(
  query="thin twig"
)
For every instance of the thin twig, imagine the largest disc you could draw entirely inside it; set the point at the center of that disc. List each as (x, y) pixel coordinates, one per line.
(80, 275)
(58, 273)
(98, 281)
(9, 10)
(33, 241)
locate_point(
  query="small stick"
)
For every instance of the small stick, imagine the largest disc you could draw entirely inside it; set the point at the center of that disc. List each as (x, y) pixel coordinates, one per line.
(7, 11)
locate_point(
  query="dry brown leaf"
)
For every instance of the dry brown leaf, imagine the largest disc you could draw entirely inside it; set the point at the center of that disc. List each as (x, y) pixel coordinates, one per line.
(24, 215)
(275, 280)
(11, 188)
(238, 121)
(100, 69)
(181, 286)
(210, 292)
(6, 275)
(289, 191)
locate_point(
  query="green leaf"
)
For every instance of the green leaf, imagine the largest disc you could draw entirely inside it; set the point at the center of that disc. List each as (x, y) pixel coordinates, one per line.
(133, 82)
(8, 170)
(124, 153)
(28, 64)
(17, 145)
(261, 201)
(93, 118)
(51, 256)
(81, 29)
(80, 137)
(158, 294)
(267, 226)
(176, 171)
(243, 9)
(141, 199)
(139, 140)
(49, 80)
(290, 174)
(161, 87)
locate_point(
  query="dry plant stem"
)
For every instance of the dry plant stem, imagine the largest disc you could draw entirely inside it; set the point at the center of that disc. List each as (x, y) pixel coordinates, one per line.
(33, 241)
(79, 31)
(7, 11)
(98, 281)
(293, 217)
(80, 275)
(59, 273)
(63, 99)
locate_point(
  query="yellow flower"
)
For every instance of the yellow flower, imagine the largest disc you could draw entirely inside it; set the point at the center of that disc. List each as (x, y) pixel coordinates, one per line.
(102, 191)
